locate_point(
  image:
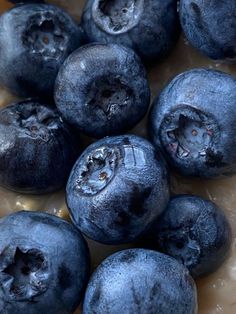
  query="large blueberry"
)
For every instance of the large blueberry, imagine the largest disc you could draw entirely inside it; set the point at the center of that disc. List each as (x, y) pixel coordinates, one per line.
(102, 89)
(210, 26)
(194, 122)
(37, 148)
(142, 282)
(44, 264)
(195, 232)
(150, 27)
(35, 39)
(117, 188)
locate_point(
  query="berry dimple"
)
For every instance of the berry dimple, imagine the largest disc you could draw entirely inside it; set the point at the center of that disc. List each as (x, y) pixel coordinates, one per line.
(180, 244)
(109, 95)
(26, 274)
(118, 16)
(188, 133)
(97, 170)
(32, 119)
(45, 35)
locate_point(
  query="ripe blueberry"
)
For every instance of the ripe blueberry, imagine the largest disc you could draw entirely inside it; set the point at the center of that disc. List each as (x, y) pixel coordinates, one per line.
(150, 27)
(210, 26)
(194, 122)
(35, 39)
(102, 90)
(44, 264)
(117, 188)
(37, 148)
(142, 282)
(195, 232)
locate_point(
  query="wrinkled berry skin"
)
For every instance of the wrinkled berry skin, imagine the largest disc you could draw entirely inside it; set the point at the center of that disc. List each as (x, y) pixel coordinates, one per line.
(38, 149)
(195, 232)
(102, 90)
(140, 281)
(42, 36)
(44, 264)
(194, 122)
(117, 188)
(210, 26)
(150, 27)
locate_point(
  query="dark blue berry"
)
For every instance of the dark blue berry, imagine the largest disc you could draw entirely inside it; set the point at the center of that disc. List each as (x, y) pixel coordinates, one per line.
(210, 26)
(44, 264)
(35, 39)
(141, 282)
(194, 122)
(37, 148)
(102, 90)
(195, 232)
(150, 27)
(117, 188)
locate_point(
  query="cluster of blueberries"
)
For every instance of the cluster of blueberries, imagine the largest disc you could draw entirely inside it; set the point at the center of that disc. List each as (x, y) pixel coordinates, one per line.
(89, 79)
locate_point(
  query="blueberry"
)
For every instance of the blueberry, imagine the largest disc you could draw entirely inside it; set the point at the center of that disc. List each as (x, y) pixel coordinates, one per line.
(142, 282)
(117, 188)
(195, 232)
(37, 149)
(194, 122)
(44, 264)
(149, 27)
(42, 36)
(102, 89)
(210, 26)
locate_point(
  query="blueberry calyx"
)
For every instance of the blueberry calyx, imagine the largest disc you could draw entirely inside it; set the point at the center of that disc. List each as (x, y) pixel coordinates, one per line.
(118, 16)
(195, 232)
(45, 35)
(109, 95)
(178, 243)
(34, 120)
(98, 170)
(25, 272)
(188, 133)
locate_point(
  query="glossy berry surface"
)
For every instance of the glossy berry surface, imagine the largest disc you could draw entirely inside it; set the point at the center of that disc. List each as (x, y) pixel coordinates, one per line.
(42, 36)
(194, 122)
(140, 281)
(117, 188)
(210, 26)
(37, 148)
(44, 264)
(149, 27)
(195, 232)
(102, 90)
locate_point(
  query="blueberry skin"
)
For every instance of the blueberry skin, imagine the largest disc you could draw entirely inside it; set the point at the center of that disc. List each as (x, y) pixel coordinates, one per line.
(102, 90)
(194, 122)
(210, 26)
(150, 27)
(117, 188)
(42, 36)
(37, 148)
(44, 264)
(195, 232)
(142, 282)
